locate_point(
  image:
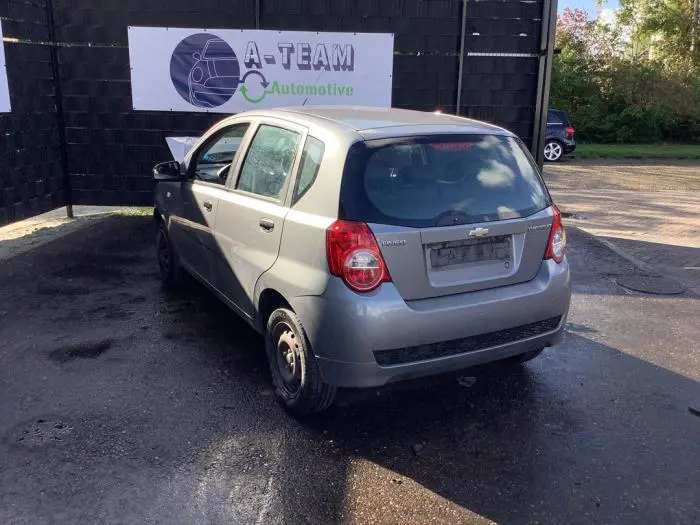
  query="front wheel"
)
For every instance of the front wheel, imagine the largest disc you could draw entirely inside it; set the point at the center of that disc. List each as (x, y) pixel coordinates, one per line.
(553, 150)
(170, 272)
(297, 380)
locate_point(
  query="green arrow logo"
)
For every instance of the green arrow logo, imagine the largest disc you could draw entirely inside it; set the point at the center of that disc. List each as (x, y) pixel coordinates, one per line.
(253, 100)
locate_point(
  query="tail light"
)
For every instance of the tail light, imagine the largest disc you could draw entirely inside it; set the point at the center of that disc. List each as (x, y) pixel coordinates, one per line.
(353, 254)
(556, 246)
(569, 131)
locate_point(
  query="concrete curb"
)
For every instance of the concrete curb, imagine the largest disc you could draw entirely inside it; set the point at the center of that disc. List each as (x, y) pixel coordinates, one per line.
(640, 265)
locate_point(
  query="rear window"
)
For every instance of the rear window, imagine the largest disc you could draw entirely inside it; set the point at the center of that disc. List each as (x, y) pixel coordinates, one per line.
(557, 117)
(553, 118)
(441, 181)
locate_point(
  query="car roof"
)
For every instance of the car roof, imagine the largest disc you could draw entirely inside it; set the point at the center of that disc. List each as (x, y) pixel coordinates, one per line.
(376, 123)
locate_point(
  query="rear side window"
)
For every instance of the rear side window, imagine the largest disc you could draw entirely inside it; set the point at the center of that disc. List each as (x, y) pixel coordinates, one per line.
(308, 169)
(269, 161)
(553, 118)
(441, 181)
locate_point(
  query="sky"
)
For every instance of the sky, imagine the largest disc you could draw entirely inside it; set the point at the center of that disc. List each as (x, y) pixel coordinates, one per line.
(590, 6)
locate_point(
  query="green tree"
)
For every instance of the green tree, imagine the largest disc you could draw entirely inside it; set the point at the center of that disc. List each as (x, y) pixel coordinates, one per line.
(616, 91)
(670, 29)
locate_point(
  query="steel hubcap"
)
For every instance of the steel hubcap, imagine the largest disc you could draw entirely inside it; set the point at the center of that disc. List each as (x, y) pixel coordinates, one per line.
(289, 359)
(552, 151)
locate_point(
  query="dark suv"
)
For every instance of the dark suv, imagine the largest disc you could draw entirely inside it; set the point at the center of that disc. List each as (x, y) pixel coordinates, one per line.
(560, 136)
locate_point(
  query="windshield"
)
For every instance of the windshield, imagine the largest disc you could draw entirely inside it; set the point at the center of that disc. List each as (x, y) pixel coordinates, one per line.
(218, 49)
(441, 180)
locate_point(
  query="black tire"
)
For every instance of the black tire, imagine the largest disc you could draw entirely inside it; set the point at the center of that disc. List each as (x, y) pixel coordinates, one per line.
(170, 270)
(298, 384)
(553, 150)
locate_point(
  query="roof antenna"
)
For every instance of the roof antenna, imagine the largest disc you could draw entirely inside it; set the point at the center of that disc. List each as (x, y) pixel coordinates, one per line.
(315, 84)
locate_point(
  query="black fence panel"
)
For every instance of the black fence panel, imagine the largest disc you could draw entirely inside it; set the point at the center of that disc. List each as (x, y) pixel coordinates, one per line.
(30, 166)
(426, 40)
(501, 90)
(110, 148)
(499, 83)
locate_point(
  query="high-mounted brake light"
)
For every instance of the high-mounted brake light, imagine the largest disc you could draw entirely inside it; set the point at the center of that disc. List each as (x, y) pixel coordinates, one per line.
(556, 246)
(354, 255)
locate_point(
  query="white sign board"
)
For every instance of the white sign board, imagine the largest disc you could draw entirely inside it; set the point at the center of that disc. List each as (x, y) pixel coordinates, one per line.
(229, 71)
(4, 88)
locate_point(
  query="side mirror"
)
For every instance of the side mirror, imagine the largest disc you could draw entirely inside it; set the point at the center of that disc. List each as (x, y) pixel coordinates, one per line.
(167, 172)
(197, 56)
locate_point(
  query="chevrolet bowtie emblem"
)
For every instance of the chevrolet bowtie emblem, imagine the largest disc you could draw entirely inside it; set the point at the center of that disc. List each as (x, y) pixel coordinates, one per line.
(478, 232)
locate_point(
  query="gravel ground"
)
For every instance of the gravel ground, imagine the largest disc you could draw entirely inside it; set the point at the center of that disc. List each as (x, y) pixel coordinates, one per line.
(648, 209)
(121, 402)
(637, 175)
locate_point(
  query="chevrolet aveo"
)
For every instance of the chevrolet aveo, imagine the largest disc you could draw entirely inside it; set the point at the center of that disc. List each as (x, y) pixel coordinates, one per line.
(368, 245)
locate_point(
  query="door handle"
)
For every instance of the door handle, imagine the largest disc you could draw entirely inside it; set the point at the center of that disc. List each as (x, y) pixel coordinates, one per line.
(267, 225)
(207, 205)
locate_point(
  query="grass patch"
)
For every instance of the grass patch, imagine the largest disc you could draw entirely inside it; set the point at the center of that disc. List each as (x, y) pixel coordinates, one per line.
(637, 151)
(136, 211)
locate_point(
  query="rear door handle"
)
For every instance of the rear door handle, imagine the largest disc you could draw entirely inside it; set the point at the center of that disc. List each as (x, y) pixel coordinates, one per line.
(267, 225)
(207, 205)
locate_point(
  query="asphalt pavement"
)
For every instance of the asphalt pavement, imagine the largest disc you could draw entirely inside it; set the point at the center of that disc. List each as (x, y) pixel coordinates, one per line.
(122, 402)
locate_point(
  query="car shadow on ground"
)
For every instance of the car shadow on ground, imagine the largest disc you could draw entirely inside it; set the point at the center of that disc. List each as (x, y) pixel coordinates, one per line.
(582, 434)
(681, 263)
(663, 267)
(585, 434)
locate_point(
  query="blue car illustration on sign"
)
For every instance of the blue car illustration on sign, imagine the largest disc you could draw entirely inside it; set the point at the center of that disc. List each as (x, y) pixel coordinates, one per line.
(215, 75)
(205, 70)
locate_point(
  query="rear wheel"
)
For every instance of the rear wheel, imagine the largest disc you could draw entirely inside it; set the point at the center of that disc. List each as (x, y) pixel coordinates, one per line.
(295, 374)
(170, 271)
(553, 150)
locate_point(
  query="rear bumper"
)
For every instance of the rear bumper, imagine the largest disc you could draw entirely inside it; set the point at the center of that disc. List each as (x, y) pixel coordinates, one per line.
(352, 334)
(569, 146)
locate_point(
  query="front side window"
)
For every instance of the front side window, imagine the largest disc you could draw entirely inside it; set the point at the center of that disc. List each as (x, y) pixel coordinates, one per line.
(214, 159)
(269, 161)
(441, 180)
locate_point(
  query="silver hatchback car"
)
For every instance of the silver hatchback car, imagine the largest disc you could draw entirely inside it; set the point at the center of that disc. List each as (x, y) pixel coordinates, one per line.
(368, 245)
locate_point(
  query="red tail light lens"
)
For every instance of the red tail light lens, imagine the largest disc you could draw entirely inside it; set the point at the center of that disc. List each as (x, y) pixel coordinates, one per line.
(556, 246)
(354, 255)
(570, 131)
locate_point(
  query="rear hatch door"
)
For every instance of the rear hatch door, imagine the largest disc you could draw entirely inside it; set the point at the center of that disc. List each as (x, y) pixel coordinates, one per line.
(451, 214)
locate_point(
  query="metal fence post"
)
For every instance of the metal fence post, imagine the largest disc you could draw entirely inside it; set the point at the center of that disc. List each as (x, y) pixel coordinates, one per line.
(463, 38)
(63, 143)
(544, 79)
